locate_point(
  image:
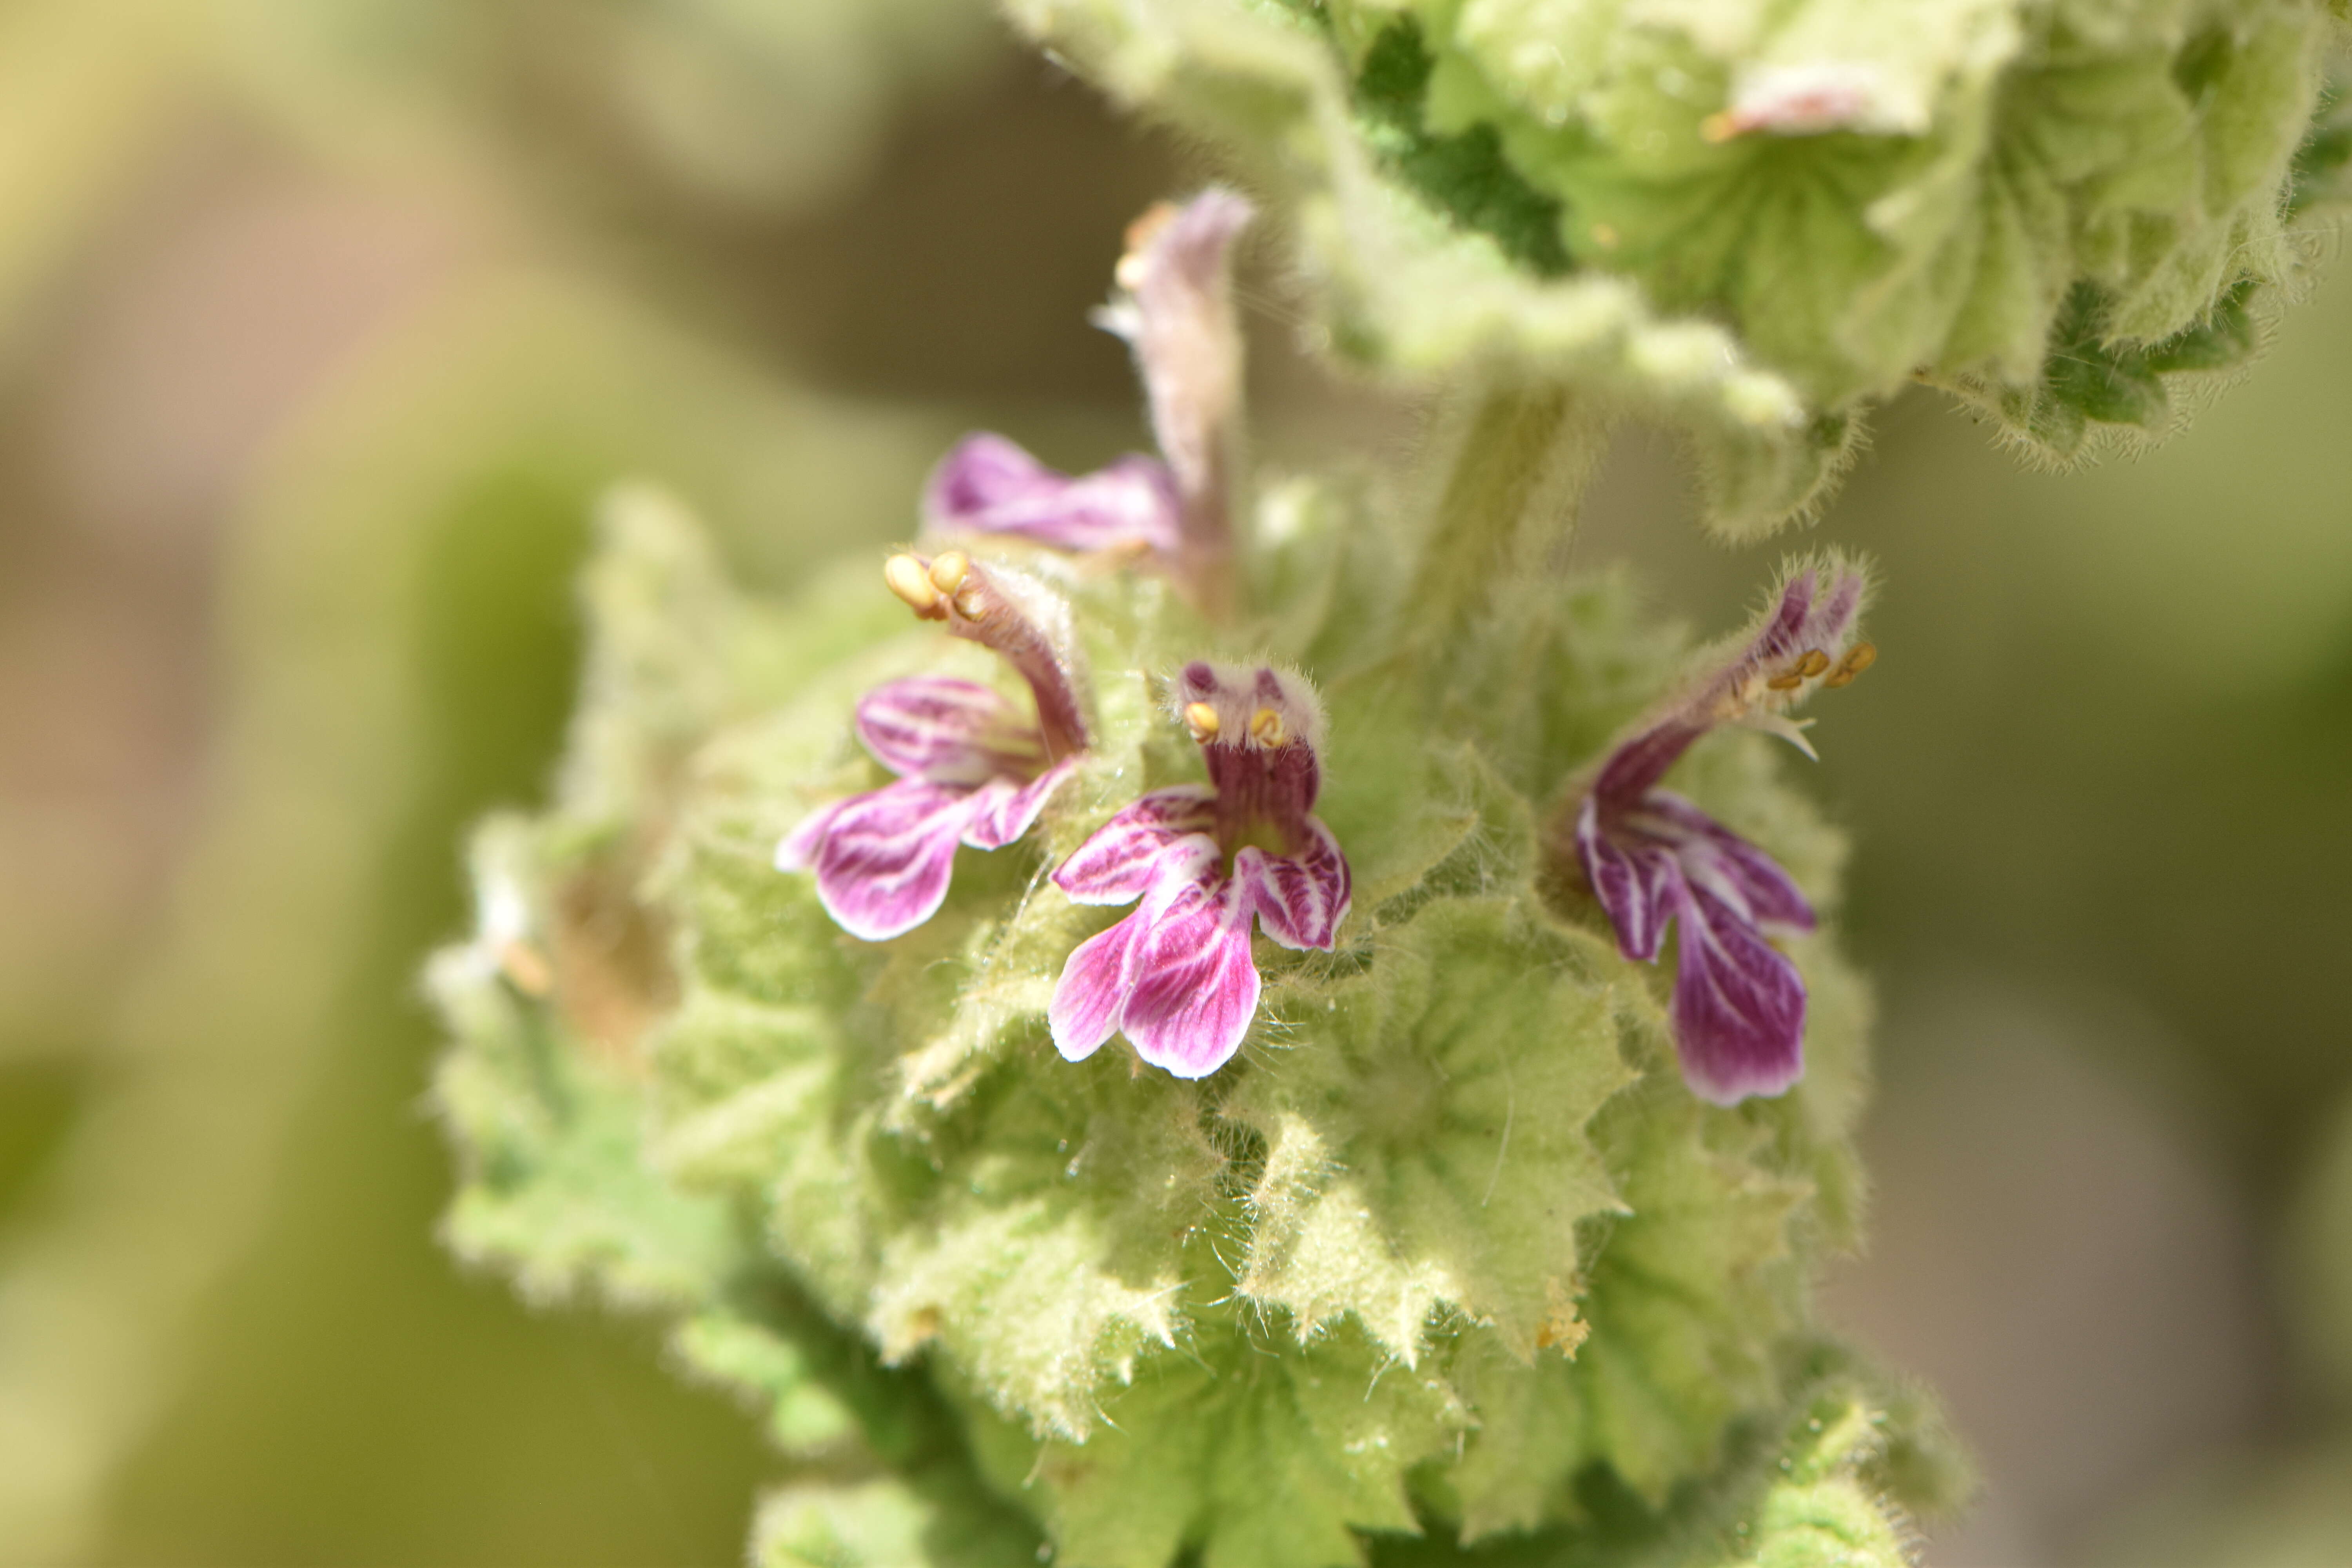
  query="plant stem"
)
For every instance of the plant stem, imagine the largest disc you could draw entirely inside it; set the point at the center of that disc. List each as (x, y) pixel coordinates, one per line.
(1522, 458)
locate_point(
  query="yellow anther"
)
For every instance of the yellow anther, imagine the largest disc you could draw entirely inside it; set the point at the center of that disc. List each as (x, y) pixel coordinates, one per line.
(1201, 720)
(950, 570)
(1267, 729)
(1858, 657)
(1814, 662)
(1129, 273)
(1720, 126)
(905, 576)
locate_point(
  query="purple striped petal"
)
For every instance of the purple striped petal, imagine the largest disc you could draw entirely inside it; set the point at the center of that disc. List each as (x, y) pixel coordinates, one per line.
(1003, 809)
(946, 730)
(1099, 973)
(883, 866)
(1093, 989)
(1301, 898)
(1738, 1005)
(1195, 986)
(1633, 880)
(798, 851)
(1734, 870)
(988, 484)
(1124, 858)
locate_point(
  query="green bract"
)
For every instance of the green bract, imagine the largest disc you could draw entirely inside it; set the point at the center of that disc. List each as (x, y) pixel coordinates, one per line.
(1448, 1252)
(1753, 218)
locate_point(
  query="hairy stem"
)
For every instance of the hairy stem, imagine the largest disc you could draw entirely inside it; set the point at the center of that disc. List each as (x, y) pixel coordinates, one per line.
(1522, 457)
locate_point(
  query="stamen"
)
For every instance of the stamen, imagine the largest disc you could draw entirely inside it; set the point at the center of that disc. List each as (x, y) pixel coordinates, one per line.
(950, 570)
(1267, 729)
(1201, 720)
(1720, 126)
(1858, 657)
(1813, 663)
(904, 575)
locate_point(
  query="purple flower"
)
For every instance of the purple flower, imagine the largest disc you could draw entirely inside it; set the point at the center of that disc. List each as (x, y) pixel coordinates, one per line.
(1653, 858)
(988, 484)
(1175, 306)
(971, 768)
(1176, 976)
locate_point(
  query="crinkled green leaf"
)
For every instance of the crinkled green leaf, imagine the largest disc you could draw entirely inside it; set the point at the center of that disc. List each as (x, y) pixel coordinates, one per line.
(1247, 1447)
(934, 1521)
(1425, 1134)
(1511, 1253)
(1553, 186)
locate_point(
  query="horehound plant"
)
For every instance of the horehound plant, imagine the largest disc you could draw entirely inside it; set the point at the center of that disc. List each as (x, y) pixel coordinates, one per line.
(1198, 1016)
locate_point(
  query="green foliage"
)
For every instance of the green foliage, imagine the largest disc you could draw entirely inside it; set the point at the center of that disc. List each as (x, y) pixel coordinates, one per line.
(1447, 1248)
(2066, 215)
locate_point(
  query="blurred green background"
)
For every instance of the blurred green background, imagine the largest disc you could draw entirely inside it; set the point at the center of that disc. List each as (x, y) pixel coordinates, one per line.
(323, 322)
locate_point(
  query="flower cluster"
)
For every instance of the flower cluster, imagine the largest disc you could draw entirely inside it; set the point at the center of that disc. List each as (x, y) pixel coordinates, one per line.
(1208, 861)
(1654, 859)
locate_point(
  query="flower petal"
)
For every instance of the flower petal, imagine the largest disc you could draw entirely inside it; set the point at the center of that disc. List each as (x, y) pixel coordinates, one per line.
(946, 730)
(1738, 1005)
(990, 485)
(1301, 897)
(1195, 987)
(1004, 809)
(1632, 875)
(1093, 989)
(1728, 866)
(1123, 857)
(884, 864)
(798, 849)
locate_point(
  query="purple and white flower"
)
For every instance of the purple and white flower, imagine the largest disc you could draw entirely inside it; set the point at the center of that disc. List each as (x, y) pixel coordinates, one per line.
(1654, 859)
(972, 769)
(1174, 306)
(1206, 860)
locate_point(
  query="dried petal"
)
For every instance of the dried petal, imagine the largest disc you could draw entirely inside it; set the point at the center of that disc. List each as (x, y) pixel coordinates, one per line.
(1176, 311)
